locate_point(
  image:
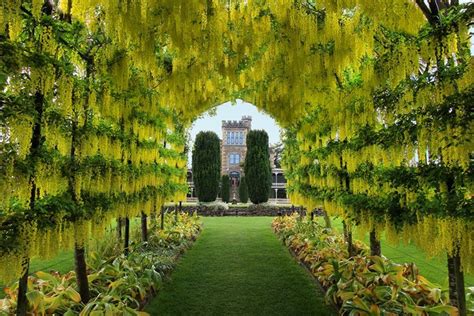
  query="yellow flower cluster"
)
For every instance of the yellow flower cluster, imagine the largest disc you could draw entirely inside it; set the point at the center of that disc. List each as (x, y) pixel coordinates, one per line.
(166, 61)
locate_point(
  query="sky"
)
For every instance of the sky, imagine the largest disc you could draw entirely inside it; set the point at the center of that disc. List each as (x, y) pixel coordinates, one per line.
(234, 112)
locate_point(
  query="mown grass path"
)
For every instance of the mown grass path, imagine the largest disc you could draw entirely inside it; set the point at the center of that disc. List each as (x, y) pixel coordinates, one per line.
(239, 267)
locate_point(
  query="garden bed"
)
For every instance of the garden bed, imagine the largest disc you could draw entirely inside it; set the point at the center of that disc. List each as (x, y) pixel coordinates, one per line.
(119, 284)
(363, 284)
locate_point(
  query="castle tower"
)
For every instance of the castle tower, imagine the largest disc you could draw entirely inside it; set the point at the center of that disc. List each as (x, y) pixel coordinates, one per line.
(234, 148)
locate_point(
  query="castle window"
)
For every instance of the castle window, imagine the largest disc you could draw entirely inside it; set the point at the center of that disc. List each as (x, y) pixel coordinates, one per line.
(234, 159)
(228, 138)
(241, 138)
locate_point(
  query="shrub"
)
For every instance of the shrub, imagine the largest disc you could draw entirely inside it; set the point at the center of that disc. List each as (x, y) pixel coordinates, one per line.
(257, 166)
(215, 206)
(243, 191)
(225, 189)
(206, 166)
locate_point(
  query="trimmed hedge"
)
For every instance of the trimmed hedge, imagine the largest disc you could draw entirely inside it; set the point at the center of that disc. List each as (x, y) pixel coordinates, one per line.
(243, 191)
(225, 189)
(257, 167)
(206, 166)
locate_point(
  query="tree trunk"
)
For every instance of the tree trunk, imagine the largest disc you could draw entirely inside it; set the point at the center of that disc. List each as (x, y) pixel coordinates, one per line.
(119, 228)
(348, 239)
(144, 228)
(327, 220)
(162, 226)
(22, 302)
(126, 247)
(81, 273)
(375, 249)
(350, 245)
(457, 295)
(176, 212)
(79, 251)
(153, 216)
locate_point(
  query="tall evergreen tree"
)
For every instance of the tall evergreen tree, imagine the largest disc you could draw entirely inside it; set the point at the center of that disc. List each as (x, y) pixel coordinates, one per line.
(225, 189)
(243, 191)
(257, 166)
(206, 166)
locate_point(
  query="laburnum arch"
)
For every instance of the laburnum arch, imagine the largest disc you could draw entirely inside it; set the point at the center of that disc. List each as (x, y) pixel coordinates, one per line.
(376, 98)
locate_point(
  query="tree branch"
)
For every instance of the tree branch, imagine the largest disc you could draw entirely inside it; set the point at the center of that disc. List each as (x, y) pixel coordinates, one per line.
(424, 8)
(434, 7)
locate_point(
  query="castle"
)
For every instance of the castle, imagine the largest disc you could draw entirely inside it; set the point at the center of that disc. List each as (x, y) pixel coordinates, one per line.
(233, 151)
(234, 146)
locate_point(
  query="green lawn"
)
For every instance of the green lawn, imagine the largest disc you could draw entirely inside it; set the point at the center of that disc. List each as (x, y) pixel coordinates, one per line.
(239, 267)
(434, 269)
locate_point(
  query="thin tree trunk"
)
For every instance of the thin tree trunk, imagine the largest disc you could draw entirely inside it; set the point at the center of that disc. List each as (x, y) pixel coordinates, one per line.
(81, 272)
(348, 239)
(327, 220)
(350, 245)
(162, 215)
(457, 294)
(22, 302)
(344, 182)
(375, 249)
(144, 228)
(176, 212)
(119, 228)
(79, 250)
(126, 247)
(153, 216)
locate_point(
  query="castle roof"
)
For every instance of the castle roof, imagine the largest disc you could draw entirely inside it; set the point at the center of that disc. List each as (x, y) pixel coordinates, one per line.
(243, 123)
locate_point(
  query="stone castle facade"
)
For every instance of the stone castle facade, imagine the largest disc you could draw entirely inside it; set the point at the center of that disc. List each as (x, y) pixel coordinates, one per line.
(234, 146)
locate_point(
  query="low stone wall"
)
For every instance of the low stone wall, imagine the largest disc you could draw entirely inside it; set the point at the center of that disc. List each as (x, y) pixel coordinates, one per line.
(253, 210)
